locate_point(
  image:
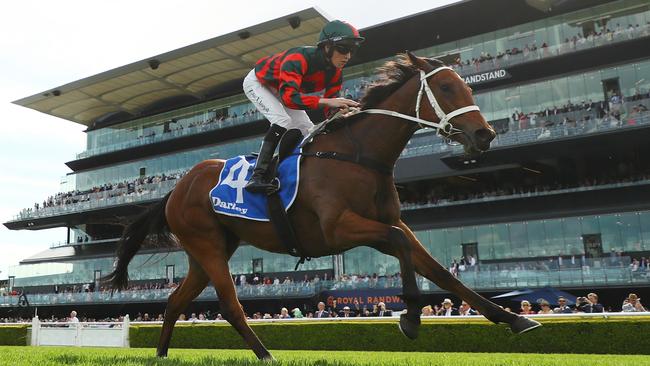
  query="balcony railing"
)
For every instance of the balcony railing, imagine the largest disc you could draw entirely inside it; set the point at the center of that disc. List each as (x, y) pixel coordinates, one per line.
(434, 145)
(93, 201)
(584, 43)
(604, 271)
(448, 202)
(82, 242)
(164, 136)
(244, 292)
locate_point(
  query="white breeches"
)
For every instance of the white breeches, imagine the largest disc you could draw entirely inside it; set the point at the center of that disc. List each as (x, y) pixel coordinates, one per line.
(272, 108)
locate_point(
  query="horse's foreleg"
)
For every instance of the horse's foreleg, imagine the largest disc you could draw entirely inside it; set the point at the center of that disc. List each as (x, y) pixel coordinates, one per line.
(428, 267)
(194, 283)
(352, 230)
(214, 261)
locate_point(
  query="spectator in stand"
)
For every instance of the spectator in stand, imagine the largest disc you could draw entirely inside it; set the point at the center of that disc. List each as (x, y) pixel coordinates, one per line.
(382, 311)
(466, 310)
(427, 311)
(563, 308)
(297, 313)
(321, 313)
(447, 308)
(284, 313)
(73, 317)
(545, 307)
(633, 304)
(590, 304)
(347, 313)
(526, 308)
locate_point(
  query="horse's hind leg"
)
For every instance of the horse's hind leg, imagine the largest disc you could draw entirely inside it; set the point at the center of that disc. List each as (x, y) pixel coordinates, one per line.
(352, 229)
(194, 283)
(213, 258)
(428, 267)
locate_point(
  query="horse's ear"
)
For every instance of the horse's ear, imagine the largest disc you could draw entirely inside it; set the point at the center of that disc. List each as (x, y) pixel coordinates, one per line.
(421, 63)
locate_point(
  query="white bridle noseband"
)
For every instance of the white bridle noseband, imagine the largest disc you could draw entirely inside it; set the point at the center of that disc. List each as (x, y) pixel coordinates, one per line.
(444, 125)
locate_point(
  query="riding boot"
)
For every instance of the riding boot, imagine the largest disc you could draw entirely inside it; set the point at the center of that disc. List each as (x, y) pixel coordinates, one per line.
(259, 183)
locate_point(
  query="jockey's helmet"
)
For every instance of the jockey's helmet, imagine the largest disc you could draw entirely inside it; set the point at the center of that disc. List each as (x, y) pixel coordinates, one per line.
(341, 33)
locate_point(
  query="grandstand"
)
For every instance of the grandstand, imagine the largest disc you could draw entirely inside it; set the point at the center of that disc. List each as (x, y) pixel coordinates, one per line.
(561, 199)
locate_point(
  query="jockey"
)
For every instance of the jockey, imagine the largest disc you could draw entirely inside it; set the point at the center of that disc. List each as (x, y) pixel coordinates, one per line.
(278, 87)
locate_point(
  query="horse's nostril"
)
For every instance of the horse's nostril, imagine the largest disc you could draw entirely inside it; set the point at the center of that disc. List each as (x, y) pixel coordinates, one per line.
(484, 135)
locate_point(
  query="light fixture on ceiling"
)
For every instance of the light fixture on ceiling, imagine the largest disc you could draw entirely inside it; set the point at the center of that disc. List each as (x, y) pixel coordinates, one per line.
(153, 63)
(294, 22)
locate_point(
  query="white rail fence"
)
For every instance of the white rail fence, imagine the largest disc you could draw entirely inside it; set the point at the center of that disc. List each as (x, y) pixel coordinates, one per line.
(95, 334)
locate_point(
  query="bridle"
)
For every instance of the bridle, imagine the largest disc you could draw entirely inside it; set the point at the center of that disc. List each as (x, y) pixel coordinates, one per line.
(444, 126)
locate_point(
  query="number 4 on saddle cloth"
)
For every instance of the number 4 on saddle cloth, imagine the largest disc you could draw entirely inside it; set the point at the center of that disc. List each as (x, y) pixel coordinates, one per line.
(230, 198)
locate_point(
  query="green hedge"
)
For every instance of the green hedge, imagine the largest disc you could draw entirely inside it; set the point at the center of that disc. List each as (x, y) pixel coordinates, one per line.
(605, 336)
(13, 335)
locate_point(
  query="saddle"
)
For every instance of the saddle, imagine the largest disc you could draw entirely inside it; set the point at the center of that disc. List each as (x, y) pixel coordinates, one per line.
(276, 212)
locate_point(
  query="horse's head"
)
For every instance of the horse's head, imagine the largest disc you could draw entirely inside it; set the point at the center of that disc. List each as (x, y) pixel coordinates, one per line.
(444, 98)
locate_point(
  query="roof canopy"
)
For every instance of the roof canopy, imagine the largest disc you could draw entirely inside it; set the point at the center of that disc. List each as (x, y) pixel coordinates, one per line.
(189, 74)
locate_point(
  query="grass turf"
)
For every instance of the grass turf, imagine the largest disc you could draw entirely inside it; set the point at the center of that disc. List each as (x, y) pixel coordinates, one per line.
(50, 356)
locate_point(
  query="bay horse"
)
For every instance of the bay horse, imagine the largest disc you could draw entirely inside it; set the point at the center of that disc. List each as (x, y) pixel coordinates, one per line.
(340, 204)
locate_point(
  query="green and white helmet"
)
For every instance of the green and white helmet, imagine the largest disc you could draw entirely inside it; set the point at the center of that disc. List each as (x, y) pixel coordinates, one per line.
(338, 32)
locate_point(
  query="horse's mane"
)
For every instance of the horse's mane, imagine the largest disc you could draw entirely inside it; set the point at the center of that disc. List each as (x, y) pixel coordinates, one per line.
(391, 76)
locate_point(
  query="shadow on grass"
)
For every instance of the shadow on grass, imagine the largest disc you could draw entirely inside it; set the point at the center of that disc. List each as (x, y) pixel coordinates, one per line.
(102, 360)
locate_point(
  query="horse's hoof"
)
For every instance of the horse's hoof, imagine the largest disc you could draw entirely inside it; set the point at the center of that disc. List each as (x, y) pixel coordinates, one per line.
(269, 359)
(523, 325)
(409, 328)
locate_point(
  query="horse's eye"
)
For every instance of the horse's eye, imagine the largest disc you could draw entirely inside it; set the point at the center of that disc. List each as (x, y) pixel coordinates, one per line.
(445, 88)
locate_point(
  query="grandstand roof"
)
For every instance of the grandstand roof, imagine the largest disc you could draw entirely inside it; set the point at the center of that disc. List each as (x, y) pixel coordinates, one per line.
(186, 75)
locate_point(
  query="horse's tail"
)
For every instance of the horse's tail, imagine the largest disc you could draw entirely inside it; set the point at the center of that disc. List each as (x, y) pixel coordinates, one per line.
(151, 222)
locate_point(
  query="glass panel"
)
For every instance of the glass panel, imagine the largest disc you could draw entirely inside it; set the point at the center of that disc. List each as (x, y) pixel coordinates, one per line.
(485, 237)
(556, 238)
(610, 232)
(644, 218)
(439, 246)
(590, 225)
(630, 232)
(453, 245)
(572, 232)
(537, 239)
(518, 239)
(502, 248)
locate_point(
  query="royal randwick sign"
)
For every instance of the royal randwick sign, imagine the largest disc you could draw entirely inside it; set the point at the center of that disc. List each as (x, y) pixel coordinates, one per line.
(365, 298)
(485, 77)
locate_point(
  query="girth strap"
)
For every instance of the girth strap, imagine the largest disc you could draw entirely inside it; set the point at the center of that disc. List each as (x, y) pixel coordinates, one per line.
(360, 160)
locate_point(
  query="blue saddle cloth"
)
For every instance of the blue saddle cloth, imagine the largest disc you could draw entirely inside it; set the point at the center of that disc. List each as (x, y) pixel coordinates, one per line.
(230, 198)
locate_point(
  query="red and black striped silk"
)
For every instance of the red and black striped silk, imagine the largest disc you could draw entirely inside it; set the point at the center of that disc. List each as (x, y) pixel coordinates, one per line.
(297, 72)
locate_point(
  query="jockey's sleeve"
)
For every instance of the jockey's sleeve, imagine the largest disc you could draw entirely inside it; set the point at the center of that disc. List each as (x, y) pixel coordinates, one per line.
(333, 91)
(292, 70)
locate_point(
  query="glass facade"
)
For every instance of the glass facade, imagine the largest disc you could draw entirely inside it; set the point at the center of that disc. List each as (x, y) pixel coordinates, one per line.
(164, 164)
(592, 236)
(634, 78)
(497, 104)
(154, 267)
(619, 232)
